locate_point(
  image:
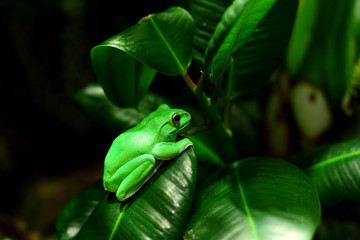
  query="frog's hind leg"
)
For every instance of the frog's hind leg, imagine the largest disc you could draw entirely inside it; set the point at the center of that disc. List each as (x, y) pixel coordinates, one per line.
(137, 177)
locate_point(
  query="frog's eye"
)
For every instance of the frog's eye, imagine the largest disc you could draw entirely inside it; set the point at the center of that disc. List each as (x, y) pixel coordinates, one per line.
(176, 118)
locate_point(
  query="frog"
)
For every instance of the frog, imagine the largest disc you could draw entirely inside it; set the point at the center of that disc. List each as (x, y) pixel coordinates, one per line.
(136, 154)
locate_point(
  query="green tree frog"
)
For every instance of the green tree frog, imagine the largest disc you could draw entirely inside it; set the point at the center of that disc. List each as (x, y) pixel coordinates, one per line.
(136, 154)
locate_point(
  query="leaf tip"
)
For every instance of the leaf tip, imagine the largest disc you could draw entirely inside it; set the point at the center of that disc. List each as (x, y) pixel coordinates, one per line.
(146, 17)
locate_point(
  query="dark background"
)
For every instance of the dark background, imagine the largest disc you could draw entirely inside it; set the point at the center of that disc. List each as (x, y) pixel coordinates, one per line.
(49, 148)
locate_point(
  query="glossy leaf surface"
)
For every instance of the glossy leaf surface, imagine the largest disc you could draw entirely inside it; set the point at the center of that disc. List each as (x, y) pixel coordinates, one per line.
(126, 63)
(335, 171)
(263, 53)
(206, 14)
(258, 198)
(205, 149)
(124, 79)
(233, 31)
(158, 211)
(74, 215)
(97, 105)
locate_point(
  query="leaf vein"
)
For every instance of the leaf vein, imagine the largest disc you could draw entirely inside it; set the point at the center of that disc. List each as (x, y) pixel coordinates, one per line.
(118, 220)
(234, 39)
(246, 206)
(333, 160)
(162, 37)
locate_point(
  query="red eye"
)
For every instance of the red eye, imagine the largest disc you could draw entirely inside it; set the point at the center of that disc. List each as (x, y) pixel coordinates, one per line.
(176, 118)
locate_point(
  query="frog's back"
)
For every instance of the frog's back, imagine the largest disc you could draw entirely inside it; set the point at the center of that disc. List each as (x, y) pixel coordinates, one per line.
(126, 147)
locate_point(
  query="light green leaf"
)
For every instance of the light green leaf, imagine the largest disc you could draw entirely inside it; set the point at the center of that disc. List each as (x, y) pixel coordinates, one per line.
(236, 26)
(264, 52)
(258, 198)
(304, 25)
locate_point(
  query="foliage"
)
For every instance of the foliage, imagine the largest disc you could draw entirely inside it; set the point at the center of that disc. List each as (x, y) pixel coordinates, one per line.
(258, 59)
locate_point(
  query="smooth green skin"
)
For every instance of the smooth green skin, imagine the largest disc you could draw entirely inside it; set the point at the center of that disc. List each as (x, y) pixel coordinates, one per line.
(134, 155)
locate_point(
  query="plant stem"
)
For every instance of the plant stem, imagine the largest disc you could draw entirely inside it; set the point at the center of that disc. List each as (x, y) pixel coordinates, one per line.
(227, 113)
(189, 82)
(221, 132)
(196, 130)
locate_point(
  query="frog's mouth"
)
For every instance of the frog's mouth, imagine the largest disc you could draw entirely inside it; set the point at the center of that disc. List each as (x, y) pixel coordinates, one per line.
(180, 130)
(184, 126)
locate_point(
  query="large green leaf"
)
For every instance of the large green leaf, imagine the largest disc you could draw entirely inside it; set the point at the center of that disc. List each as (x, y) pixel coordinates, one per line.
(76, 212)
(263, 53)
(258, 198)
(158, 211)
(207, 14)
(97, 105)
(205, 148)
(335, 171)
(163, 42)
(322, 46)
(124, 79)
(233, 31)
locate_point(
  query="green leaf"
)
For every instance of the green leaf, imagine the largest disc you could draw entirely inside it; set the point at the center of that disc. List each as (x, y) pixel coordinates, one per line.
(258, 198)
(76, 212)
(207, 14)
(95, 103)
(236, 26)
(158, 211)
(124, 79)
(307, 13)
(334, 170)
(205, 148)
(162, 42)
(263, 53)
(322, 48)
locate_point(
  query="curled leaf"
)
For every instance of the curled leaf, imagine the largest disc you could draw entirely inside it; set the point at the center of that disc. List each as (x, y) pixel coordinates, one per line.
(126, 63)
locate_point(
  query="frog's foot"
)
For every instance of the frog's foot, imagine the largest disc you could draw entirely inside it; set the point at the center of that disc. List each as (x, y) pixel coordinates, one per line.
(137, 178)
(170, 150)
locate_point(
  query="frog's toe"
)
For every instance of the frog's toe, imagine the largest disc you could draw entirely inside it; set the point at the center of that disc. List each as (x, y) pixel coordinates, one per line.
(109, 187)
(121, 196)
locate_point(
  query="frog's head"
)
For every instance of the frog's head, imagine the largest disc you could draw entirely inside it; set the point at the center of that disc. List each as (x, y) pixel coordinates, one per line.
(173, 120)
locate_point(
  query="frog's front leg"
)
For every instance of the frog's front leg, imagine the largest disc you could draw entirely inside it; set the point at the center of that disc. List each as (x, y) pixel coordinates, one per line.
(133, 175)
(169, 150)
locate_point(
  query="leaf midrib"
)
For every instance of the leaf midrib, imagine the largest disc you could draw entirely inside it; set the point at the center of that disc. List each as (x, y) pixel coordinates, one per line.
(168, 46)
(333, 160)
(244, 17)
(118, 220)
(246, 206)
